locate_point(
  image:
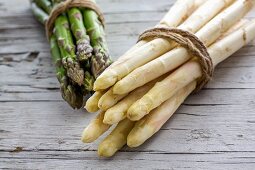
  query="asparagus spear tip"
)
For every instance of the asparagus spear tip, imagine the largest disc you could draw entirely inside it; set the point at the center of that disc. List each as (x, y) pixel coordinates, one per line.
(74, 71)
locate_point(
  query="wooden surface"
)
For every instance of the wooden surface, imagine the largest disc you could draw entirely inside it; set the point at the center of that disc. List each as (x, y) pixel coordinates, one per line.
(214, 129)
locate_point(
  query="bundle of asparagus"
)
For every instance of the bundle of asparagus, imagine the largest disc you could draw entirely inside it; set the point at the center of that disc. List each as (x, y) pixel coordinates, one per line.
(78, 48)
(145, 86)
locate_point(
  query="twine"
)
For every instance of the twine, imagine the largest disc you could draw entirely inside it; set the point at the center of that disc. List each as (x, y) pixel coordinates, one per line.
(64, 6)
(189, 41)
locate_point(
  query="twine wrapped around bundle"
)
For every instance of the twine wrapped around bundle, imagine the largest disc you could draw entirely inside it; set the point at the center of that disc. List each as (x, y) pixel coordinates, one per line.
(64, 6)
(189, 41)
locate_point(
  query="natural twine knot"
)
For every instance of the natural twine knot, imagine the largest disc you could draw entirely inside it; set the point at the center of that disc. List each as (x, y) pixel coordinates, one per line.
(64, 6)
(189, 41)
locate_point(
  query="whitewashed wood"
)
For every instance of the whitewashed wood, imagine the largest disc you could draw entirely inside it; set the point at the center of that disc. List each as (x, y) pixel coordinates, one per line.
(192, 129)
(212, 130)
(131, 160)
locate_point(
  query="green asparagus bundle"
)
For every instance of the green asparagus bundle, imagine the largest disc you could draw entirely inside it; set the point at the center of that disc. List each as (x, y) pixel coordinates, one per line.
(78, 48)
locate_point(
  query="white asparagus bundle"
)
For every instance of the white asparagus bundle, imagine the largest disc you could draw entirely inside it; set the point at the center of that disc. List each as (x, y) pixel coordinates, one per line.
(178, 55)
(143, 111)
(150, 124)
(159, 46)
(118, 112)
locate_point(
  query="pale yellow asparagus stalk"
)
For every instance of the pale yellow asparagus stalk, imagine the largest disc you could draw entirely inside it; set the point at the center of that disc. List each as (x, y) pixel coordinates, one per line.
(177, 14)
(109, 99)
(159, 46)
(92, 102)
(151, 123)
(189, 72)
(118, 112)
(116, 139)
(95, 129)
(174, 58)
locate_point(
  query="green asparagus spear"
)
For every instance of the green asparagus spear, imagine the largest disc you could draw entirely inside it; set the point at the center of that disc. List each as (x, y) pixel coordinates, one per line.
(67, 49)
(101, 59)
(69, 92)
(84, 50)
(40, 15)
(45, 5)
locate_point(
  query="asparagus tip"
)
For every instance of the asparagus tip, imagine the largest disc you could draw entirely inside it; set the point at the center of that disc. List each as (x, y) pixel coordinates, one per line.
(100, 62)
(106, 149)
(136, 113)
(105, 80)
(84, 50)
(74, 71)
(91, 107)
(86, 138)
(121, 87)
(109, 120)
(113, 115)
(138, 136)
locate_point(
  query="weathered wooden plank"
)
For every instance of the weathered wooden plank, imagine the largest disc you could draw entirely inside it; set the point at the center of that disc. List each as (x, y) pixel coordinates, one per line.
(109, 6)
(136, 160)
(212, 130)
(25, 21)
(199, 128)
(205, 97)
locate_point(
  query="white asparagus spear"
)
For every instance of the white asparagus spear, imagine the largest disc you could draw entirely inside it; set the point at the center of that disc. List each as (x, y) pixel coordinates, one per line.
(109, 99)
(177, 14)
(189, 72)
(174, 58)
(159, 46)
(151, 123)
(118, 112)
(95, 129)
(116, 139)
(92, 102)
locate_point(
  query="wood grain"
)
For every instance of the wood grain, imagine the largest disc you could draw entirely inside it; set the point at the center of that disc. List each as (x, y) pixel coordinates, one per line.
(214, 129)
